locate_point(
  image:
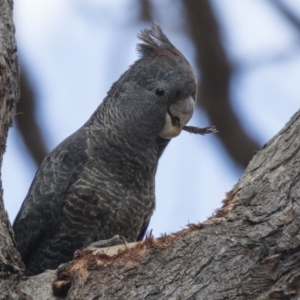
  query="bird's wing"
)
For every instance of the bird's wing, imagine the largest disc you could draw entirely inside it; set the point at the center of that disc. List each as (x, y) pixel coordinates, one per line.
(43, 204)
(143, 231)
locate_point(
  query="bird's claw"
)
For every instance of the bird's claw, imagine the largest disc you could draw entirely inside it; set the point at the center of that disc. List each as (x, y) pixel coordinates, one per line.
(115, 240)
(63, 267)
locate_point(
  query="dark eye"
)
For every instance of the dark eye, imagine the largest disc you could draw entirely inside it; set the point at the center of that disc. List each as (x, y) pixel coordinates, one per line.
(159, 92)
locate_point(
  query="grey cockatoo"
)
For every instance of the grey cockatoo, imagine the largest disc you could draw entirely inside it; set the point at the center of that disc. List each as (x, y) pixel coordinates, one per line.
(99, 182)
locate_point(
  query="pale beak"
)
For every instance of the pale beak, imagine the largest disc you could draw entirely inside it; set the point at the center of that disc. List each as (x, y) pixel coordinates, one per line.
(177, 117)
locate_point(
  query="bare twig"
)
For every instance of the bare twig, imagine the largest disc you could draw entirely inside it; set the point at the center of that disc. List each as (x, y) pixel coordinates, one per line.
(287, 13)
(145, 10)
(202, 131)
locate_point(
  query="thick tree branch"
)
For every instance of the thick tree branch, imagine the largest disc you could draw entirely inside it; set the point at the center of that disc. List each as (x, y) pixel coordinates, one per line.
(249, 250)
(27, 123)
(10, 261)
(216, 74)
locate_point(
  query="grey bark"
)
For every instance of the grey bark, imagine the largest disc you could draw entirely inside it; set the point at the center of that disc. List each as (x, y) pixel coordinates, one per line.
(250, 249)
(10, 261)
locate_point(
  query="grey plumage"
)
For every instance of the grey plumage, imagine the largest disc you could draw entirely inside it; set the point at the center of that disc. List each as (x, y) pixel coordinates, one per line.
(99, 182)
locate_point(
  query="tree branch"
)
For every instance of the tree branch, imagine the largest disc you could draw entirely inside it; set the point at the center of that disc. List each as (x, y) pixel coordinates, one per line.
(287, 13)
(216, 74)
(249, 250)
(145, 10)
(10, 261)
(27, 123)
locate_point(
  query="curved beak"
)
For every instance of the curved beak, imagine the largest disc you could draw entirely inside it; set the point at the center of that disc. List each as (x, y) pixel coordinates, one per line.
(177, 117)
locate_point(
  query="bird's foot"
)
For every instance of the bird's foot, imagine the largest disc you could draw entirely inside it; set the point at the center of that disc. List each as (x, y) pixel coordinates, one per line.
(63, 267)
(115, 240)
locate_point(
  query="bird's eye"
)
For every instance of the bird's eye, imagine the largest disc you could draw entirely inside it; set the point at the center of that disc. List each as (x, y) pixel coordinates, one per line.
(159, 92)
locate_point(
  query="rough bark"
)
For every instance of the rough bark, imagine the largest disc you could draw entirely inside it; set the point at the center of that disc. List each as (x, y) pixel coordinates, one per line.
(249, 250)
(10, 261)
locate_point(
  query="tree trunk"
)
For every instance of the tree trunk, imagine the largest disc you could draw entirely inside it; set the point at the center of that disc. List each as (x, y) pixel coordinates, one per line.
(250, 249)
(10, 260)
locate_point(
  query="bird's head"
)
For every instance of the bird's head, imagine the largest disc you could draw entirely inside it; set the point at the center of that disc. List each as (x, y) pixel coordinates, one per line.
(157, 93)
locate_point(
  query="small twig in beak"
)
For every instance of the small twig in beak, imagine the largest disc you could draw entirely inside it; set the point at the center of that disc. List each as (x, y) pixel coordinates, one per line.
(202, 131)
